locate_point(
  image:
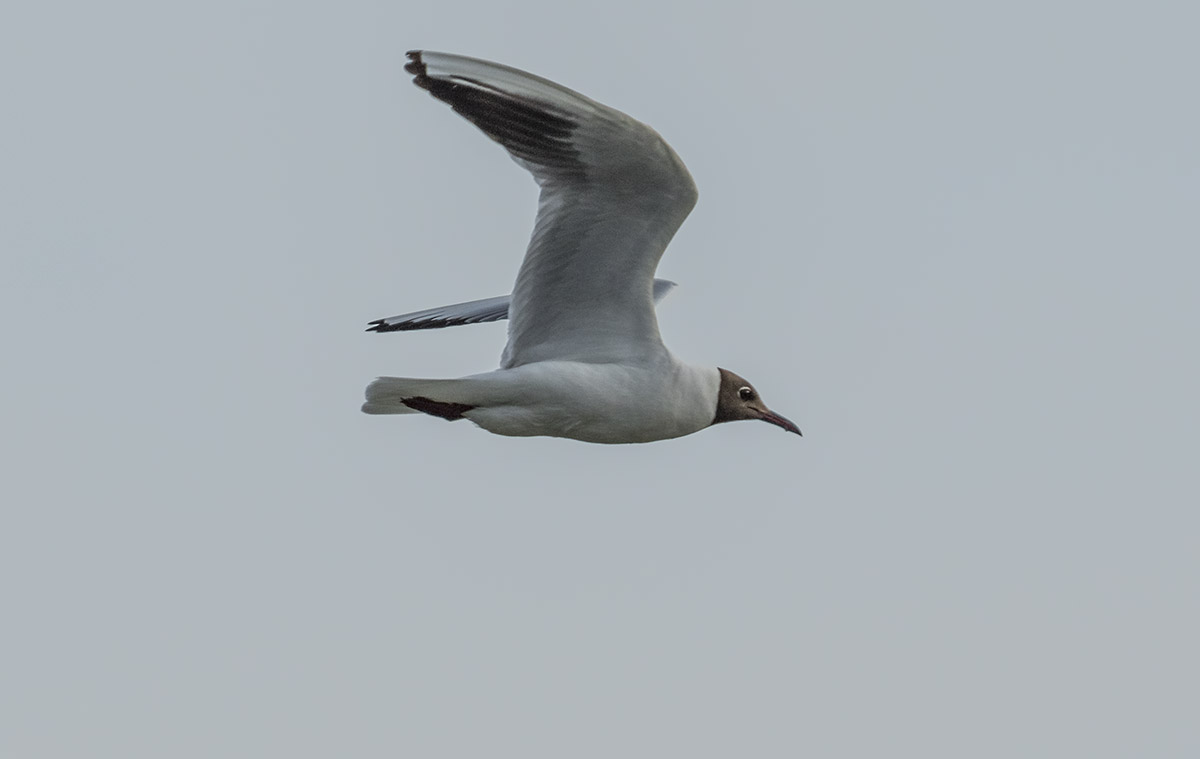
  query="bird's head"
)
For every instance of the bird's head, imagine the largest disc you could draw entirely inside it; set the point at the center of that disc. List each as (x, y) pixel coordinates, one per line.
(737, 399)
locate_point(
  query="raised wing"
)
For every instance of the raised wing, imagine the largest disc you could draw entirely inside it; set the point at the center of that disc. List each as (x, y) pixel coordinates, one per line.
(471, 312)
(613, 195)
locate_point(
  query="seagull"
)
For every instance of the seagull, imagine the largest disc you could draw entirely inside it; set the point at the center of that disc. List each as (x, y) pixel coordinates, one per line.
(584, 358)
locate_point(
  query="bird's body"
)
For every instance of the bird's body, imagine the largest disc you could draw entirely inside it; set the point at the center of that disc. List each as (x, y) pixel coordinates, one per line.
(628, 402)
(584, 358)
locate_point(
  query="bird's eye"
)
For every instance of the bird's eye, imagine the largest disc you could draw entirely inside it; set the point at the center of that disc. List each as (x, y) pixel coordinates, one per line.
(746, 393)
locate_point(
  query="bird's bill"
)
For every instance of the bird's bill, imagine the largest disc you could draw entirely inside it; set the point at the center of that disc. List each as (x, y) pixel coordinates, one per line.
(781, 421)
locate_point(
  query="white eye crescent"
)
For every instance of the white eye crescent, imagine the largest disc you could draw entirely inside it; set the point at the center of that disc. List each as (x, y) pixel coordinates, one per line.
(746, 393)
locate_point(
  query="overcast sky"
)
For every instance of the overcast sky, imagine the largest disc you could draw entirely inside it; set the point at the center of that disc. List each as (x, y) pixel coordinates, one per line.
(957, 243)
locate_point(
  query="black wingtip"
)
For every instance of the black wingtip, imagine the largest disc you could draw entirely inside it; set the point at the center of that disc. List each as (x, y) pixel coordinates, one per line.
(416, 67)
(381, 326)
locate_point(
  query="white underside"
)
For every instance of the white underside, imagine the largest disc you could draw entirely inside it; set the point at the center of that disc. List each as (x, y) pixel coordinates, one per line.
(596, 403)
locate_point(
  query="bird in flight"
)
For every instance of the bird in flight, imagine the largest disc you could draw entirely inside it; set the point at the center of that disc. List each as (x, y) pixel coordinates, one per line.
(584, 358)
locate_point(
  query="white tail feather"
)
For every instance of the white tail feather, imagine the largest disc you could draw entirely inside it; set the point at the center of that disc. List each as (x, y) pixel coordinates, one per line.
(386, 395)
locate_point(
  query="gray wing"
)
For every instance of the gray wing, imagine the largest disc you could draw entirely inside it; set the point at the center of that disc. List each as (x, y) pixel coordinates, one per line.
(471, 312)
(613, 193)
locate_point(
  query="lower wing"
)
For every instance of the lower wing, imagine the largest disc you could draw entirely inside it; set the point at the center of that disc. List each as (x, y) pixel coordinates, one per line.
(471, 312)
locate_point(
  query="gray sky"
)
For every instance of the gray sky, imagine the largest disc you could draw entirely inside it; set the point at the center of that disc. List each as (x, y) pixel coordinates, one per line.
(956, 244)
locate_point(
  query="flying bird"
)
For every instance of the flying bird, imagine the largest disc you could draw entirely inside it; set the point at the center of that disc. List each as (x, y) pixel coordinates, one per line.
(584, 358)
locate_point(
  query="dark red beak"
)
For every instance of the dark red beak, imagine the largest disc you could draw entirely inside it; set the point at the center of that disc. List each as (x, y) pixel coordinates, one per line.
(780, 421)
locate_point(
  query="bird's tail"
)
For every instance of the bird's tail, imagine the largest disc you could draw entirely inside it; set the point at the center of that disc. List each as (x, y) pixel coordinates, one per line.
(447, 398)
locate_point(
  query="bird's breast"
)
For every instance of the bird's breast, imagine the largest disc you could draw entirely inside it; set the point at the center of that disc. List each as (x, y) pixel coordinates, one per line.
(603, 403)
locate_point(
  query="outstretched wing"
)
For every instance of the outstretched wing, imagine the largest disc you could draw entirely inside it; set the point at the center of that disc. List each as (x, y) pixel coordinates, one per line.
(471, 312)
(613, 193)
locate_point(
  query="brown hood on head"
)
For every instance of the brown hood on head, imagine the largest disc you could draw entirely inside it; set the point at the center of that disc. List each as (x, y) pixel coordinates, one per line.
(737, 399)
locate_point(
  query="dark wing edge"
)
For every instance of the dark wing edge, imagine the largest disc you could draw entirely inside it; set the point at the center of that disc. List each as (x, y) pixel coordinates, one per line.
(536, 132)
(471, 312)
